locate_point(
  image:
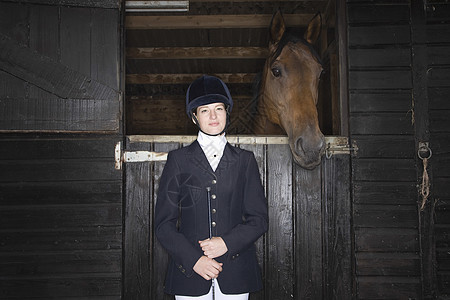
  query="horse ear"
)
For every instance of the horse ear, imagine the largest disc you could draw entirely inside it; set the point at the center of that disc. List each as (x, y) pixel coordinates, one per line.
(277, 28)
(314, 29)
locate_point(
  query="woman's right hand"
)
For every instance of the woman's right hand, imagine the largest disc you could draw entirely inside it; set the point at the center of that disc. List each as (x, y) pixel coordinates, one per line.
(208, 268)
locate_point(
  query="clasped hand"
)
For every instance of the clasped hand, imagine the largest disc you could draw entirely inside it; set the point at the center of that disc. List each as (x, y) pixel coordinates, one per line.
(207, 266)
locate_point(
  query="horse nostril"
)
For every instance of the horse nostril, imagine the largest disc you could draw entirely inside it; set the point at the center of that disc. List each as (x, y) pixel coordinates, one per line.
(299, 146)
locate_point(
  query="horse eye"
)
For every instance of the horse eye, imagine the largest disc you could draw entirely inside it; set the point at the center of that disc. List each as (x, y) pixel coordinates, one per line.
(276, 72)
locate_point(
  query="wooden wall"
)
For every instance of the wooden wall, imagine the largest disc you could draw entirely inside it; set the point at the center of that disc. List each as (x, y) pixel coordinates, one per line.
(60, 218)
(60, 196)
(306, 253)
(398, 74)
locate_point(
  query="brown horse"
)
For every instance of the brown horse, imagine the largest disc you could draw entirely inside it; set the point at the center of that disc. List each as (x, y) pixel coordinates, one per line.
(288, 91)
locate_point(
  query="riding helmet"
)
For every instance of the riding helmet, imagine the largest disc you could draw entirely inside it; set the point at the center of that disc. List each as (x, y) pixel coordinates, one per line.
(206, 90)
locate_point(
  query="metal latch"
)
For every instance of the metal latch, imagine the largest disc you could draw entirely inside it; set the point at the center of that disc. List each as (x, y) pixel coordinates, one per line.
(136, 156)
(339, 145)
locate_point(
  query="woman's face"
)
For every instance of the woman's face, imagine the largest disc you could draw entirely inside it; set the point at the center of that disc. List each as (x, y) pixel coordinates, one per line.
(212, 118)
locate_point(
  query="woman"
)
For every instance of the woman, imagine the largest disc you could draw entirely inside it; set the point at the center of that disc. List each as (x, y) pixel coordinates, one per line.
(211, 206)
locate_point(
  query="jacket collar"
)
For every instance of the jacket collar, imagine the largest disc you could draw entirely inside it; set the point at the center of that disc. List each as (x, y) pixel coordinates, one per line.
(229, 157)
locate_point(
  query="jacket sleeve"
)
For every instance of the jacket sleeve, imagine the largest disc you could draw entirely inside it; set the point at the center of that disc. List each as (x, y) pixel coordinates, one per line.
(255, 213)
(182, 252)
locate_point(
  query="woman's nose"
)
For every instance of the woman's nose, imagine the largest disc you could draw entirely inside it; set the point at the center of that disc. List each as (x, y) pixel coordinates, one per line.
(212, 115)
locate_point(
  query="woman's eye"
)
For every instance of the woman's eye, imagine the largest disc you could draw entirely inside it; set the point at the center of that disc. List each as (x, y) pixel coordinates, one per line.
(203, 111)
(276, 72)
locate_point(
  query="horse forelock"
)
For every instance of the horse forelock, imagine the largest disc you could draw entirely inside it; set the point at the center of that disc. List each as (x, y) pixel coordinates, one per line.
(290, 38)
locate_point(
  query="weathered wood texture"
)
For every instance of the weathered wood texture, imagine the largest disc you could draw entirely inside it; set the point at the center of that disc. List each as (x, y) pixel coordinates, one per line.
(59, 68)
(434, 126)
(398, 76)
(385, 217)
(60, 218)
(299, 256)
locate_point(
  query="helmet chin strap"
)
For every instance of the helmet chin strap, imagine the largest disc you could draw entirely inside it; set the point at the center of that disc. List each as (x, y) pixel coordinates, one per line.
(194, 117)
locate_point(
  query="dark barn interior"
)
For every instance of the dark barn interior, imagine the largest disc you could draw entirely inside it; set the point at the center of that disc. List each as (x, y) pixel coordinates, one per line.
(84, 80)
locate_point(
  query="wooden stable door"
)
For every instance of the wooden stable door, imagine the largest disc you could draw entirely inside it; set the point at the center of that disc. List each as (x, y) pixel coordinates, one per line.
(304, 255)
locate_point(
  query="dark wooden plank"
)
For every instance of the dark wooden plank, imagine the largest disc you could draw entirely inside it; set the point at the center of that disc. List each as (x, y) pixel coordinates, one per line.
(381, 123)
(380, 101)
(58, 170)
(385, 146)
(62, 193)
(14, 23)
(386, 239)
(380, 57)
(397, 170)
(58, 216)
(381, 13)
(137, 263)
(387, 79)
(61, 263)
(279, 283)
(308, 232)
(388, 287)
(387, 264)
(438, 55)
(57, 148)
(56, 287)
(159, 255)
(438, 97)
(384, 192)
(438, 76)
(439, 161)
(87, 3)
(395, 216)
(337, 236)
(378, 35)
(440, 188)
(440, 121)
(61, 239)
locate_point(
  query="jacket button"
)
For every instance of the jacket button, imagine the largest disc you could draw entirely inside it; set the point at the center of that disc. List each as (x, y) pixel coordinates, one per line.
(213, 196)
(213, 224)
(214, 210)
(214, 181)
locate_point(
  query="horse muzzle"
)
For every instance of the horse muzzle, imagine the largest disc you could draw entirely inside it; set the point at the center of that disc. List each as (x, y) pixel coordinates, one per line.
(308, 150)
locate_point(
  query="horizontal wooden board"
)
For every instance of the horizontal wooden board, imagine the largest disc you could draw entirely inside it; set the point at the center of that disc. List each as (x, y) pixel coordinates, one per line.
(388, 287)
(438, 55)
(386, 240)
(442, 236)
(379, 57)
(393, 216)
(58, 287)
(52, 148)
(385, 170)
(438, 162)
(387, 79)
(385, 146)
(196, 52)
(211, 21)
(61, 263)
(385, 193)
(85, 3)
(438, 97)
(387, 264)
(58, 216)
(440, 188)
(61, 239)
(381, 13)
(62, 193)
(378, 35)
(381, 123)
(380, 101)
(440, 121)
(58, 170)
(438, 76)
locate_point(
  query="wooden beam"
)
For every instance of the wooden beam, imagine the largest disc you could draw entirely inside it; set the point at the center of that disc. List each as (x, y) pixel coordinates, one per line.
(186, 78)
(212, 21)
(196, 52)
(79, 3)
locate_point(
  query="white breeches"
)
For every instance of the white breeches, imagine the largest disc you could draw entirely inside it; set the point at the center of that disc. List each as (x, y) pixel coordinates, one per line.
(218, 295)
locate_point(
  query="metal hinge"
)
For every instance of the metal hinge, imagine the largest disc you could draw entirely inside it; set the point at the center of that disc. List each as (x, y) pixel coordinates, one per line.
(339, 145)
(136, 156)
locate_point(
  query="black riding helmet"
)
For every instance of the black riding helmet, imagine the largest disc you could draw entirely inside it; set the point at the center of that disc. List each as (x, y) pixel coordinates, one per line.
(206, 90)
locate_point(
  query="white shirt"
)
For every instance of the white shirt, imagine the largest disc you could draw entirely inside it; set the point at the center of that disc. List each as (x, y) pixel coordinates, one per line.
(213, 147)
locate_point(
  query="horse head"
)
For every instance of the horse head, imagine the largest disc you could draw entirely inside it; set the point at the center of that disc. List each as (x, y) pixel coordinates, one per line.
(289, 90)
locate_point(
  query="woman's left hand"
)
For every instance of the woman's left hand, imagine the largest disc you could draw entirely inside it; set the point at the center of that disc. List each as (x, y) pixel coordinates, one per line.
(213, 247)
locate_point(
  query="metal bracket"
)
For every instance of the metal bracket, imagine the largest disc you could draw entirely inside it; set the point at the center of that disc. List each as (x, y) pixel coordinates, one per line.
(136, 156)
(339, 145)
